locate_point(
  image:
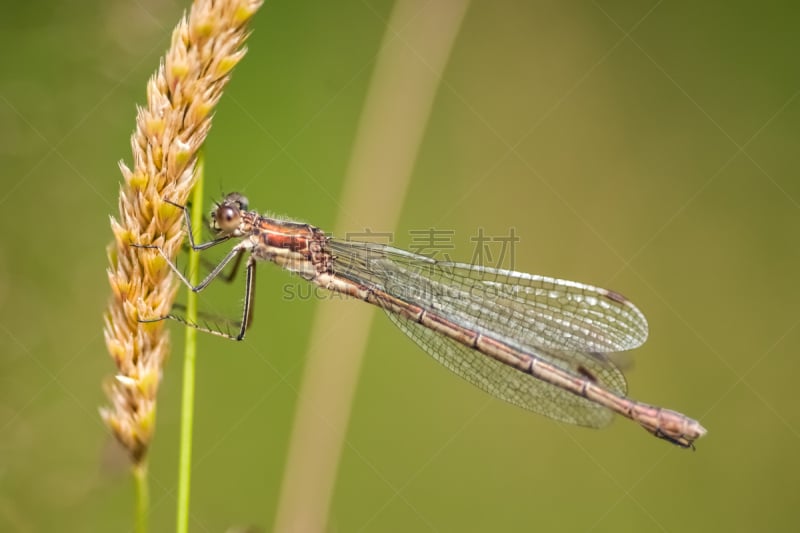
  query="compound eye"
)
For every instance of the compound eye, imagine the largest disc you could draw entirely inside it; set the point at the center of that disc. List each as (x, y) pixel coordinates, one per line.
(227, 218)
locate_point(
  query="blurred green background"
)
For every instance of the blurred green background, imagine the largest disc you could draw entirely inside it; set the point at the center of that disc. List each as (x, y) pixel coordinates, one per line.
(655, 151)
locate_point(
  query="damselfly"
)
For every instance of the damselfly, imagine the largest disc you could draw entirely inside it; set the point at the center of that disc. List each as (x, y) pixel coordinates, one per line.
(541, 343)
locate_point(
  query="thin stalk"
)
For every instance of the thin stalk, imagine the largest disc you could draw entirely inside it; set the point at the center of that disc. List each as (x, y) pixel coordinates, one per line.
(142, 496)
(189, 359)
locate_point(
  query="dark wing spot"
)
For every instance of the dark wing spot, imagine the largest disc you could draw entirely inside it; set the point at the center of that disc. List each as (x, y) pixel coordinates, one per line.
(587, 374)
(616, 297)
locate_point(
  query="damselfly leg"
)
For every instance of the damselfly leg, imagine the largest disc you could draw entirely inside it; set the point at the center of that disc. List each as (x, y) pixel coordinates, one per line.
(233, 256)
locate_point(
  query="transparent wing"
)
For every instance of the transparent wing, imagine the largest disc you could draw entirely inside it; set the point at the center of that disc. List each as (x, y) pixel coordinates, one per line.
(526, 311)
(510, 384)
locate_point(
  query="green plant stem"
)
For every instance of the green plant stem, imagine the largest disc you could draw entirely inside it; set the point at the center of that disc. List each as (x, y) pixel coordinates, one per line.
(142, 496)
(189, 359)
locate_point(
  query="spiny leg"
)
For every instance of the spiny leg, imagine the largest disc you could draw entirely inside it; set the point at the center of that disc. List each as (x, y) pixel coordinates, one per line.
(188, 221)
(216, 272)
(247, 310)
(235, 251)
(249, 297)
(226, 277)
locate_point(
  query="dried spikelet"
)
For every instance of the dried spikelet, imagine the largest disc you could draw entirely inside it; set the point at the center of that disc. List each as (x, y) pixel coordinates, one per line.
(170, 130)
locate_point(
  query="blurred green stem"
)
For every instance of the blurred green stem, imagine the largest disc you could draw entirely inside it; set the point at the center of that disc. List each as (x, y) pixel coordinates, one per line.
(142, 496)
(189, 358)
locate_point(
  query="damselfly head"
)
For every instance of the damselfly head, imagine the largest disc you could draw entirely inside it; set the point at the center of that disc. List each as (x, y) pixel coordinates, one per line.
(227, 215)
